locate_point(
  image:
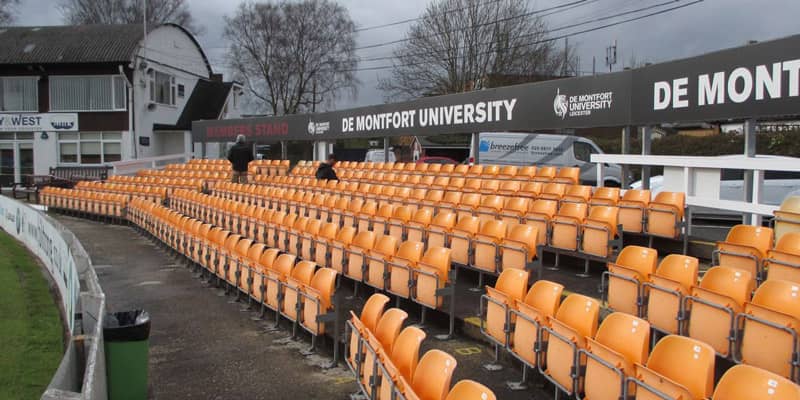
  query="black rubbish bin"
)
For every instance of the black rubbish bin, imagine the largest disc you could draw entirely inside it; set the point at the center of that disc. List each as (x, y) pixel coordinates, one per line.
(126, 337)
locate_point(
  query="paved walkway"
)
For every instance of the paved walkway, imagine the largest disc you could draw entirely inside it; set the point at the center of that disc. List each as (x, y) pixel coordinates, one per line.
(201, 346)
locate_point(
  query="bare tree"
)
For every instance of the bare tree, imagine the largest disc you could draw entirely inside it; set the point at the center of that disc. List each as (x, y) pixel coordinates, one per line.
(293, 56)
(461, 45)
(7, 11)
(82, 12)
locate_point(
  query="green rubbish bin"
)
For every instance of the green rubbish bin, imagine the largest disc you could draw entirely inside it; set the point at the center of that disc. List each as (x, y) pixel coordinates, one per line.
(126, 337)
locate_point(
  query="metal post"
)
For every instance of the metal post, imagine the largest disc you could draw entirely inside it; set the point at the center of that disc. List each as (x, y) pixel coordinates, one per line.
(203, 149)
(386, 149)
(647, 136)
(749, 129)
(626, 149)
(475, 143)
(284, 150)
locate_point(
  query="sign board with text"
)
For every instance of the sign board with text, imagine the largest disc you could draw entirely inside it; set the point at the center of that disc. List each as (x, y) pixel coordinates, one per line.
(47, 122)
(756, 81)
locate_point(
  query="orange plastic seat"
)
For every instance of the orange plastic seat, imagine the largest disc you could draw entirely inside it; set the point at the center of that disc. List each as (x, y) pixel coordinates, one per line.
(679, 368)
(745, 247)
(744, 382)
(783, 262)
(625, 276)
(574, 322)
(632, 208)
(714, 304)
(770, 325)
(668, 286)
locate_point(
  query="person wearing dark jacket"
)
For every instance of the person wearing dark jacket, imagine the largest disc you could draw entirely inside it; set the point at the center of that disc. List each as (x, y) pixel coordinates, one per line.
(325, 170)
(240, 155)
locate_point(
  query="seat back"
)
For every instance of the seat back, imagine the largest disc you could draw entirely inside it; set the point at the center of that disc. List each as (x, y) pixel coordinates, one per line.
(686, 362)
(364, 240)
(466, 389)
(783, 262)
(573, 210)
(268, 257)
(372, 311)
(757, 237)
(627, 335)
(679, 268)
(283, 265)
(433, 375)
(580, 313)
(410, 251)
(389, 327)
(606, 196)
(639, 259)
(513, 283)
(765, 342)
(745, 382)
(729, 282)
(405, 352)
(303, 272)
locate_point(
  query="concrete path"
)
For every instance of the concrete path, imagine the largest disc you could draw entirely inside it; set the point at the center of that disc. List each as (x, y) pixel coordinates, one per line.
(201, 346)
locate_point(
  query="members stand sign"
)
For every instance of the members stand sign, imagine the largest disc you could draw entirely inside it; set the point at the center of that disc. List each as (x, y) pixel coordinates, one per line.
(45, 241)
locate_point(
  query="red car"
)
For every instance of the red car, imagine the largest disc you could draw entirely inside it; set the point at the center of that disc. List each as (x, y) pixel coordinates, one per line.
(436, 160)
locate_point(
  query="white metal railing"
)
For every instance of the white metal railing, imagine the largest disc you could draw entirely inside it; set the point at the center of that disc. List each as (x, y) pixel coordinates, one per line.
(130, 167)
(700, 177)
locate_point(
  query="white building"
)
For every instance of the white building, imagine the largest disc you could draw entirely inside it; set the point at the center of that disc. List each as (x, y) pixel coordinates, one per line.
(95, 94)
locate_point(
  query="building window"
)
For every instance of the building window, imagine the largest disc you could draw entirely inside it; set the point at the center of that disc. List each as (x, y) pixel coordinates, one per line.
(19, 94)
(87, 93)
(162, 88)
(181, 91)
(89, 147)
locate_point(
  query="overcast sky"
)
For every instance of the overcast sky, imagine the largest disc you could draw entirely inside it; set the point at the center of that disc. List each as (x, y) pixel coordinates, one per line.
(697, 29)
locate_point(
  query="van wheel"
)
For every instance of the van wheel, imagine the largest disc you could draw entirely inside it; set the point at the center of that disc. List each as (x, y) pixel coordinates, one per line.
(611, 184)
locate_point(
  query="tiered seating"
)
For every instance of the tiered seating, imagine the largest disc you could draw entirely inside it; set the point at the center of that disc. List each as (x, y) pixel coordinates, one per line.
(386, 363)
(296, 289)
(87, 202)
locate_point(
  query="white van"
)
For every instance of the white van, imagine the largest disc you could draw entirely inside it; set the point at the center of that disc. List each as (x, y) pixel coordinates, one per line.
(377, 155)
(510, 148)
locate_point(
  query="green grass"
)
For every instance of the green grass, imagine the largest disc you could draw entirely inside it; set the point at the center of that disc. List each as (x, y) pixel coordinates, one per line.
(30, 327)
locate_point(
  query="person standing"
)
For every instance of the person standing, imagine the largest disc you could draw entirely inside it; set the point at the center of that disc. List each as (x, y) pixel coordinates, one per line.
(240, 156)
(325, 170)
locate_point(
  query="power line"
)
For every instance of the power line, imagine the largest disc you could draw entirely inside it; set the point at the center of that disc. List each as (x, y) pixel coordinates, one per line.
(523, 15)
(405, 21)
(560, 28)
(666, 10)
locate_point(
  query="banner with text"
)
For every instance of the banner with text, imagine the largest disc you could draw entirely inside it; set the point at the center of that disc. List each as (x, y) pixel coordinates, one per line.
(33, 229)
(756, 81)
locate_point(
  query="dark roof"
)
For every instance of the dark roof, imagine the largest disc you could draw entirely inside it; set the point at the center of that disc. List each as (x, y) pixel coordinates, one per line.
(206, 102)
(69, 44)
(455, 141)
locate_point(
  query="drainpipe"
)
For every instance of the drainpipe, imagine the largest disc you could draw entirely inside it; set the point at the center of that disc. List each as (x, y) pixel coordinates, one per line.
(129, 87)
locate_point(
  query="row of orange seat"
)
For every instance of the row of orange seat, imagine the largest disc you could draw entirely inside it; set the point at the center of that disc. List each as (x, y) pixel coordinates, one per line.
(567, 344)
(358, 170)
(269, 167)
(150, 188)
(660, 216)
(208, 161)
(190, 174)
(199, 167)
(386, 363)
(370, 254)
(300, 291)
(742, 321)
(84, 201)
